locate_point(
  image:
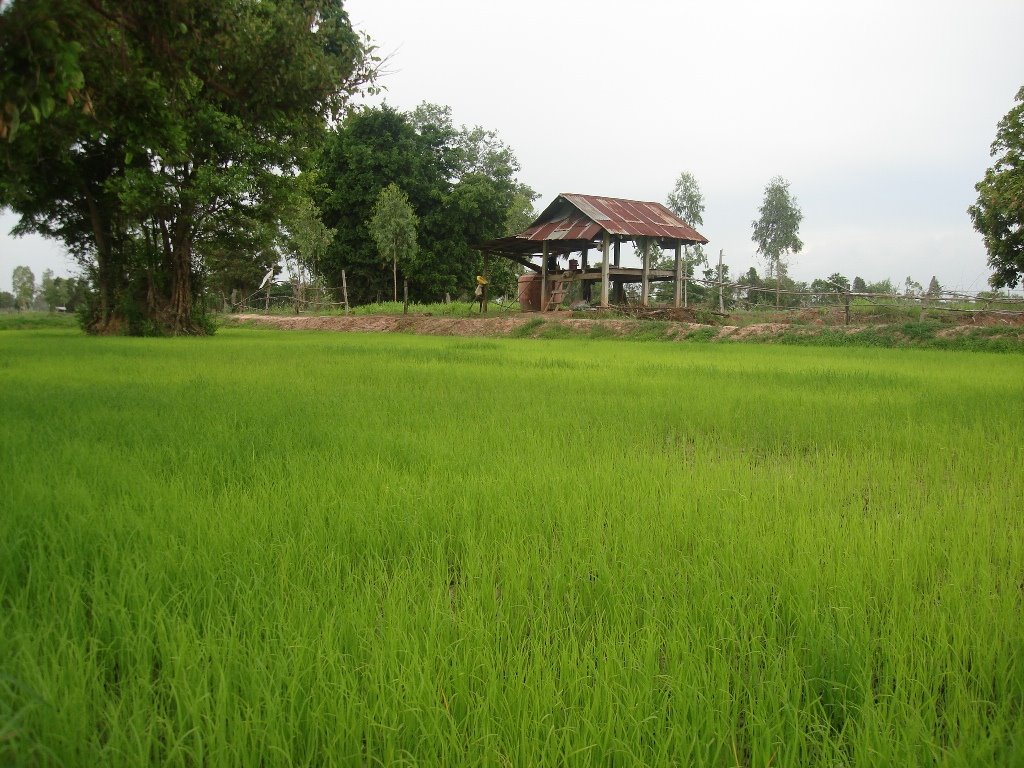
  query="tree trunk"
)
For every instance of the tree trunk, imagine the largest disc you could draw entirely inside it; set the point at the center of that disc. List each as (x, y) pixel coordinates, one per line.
(104, 322)
(177, 317)
(394, 276)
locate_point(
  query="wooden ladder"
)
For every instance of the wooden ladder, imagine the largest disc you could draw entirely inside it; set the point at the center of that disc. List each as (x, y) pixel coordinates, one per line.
(556, 295)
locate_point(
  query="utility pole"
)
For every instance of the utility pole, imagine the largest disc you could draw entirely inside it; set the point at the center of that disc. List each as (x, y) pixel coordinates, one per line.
(721, 300)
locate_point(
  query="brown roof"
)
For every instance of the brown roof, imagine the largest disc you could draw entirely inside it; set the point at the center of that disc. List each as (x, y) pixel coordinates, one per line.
(583, 217)
(574, 221)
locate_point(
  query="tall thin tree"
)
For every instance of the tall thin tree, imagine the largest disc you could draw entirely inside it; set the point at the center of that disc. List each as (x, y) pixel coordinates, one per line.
(393, 228)
(687, 202)
(776, 229)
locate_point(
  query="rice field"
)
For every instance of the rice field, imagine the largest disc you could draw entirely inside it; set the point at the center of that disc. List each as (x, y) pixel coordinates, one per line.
(313, 549)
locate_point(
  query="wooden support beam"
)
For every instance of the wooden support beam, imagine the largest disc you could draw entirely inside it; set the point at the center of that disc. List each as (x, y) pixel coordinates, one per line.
(677, 295)
(544, 278)
(645, 279)
(604, 270)
(618, 250)
(586, 286)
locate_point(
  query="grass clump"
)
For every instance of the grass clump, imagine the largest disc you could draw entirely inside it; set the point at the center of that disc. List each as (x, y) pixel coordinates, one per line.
(34, 321)
(527, 329)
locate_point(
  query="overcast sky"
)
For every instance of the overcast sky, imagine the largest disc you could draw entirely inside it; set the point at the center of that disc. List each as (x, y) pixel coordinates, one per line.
(880, 114)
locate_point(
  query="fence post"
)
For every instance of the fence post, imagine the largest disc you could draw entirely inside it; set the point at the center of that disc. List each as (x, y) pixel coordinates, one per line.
(721, 283)
(405, 297)
(344, 290)
(846, 297)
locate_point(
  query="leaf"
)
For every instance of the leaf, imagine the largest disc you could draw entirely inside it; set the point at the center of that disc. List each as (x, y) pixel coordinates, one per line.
(128, 158)
(35, 112)
(46, 105)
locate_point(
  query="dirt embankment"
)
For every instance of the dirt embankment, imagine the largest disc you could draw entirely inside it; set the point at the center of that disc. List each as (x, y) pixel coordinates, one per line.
(526, 325)
(1003, 338)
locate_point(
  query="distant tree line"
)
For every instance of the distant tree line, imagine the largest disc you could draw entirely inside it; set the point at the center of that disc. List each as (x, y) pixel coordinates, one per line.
(68, 294)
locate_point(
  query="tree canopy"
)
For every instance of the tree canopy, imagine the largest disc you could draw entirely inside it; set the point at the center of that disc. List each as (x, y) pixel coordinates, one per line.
(776, 228)
(461, 183)
(999, 212)
(23, 283)
(164, 131)
(687, 202)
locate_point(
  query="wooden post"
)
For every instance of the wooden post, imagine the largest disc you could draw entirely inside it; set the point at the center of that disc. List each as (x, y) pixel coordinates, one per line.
(686, 277)
(344, 290)
(677, 294)
(846, 297)
(604, 270)
(618, 250)
(405, 296)
(488, 279)
(587, 286)
(544, 278)
(721, 286)
(645, 277)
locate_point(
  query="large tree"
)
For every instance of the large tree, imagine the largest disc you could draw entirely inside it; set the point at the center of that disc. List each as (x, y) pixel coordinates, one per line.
(776, 230)
(180, 125)
(461, 183)
(999, 213)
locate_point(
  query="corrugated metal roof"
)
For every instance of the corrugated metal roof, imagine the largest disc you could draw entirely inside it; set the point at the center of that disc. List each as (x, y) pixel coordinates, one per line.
(583, 217)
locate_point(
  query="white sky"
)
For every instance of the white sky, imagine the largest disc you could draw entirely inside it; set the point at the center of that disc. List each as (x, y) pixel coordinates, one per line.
(879, 113)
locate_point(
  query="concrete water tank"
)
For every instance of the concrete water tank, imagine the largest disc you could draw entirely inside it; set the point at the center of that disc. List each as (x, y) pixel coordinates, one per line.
(529, 292)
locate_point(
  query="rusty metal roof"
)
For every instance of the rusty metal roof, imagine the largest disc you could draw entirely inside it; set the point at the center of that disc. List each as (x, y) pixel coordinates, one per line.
(584, 217)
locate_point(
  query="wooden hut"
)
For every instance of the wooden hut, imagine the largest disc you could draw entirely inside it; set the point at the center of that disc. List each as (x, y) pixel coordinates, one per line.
(580, 223)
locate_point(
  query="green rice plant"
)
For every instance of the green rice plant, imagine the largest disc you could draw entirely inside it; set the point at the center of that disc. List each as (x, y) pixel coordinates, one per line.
(268, 548)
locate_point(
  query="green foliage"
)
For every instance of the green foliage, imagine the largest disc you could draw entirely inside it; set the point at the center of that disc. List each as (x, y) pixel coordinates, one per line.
(450, 309)
(687, 202)
(23, 281)
(999, 212)
(701, 334)
(859, 286)
(393, 229)
(777, 226)
(829, 290)
(7, 300)
(885, 286)
(529, 328)
(461, 184)
(194, 117)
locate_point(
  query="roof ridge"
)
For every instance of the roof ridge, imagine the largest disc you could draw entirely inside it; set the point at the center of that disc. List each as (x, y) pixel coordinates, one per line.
(609, 197)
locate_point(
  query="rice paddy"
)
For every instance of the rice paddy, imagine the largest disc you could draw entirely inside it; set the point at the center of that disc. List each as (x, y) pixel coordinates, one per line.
(338, 549)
